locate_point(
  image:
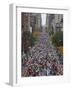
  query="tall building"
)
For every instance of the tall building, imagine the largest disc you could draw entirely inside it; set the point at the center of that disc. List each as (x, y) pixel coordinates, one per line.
(54, 22)
(38, 22)
(57, 22)
(25, 20)
(31, 21)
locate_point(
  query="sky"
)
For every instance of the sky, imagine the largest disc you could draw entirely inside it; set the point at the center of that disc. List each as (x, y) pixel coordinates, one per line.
(43, 19)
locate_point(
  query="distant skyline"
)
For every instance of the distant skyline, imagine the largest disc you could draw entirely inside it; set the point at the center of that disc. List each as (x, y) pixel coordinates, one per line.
(43, 16)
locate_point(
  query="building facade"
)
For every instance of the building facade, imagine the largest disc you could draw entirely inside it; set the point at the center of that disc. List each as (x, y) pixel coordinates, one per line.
(31, 21)
(54, 22)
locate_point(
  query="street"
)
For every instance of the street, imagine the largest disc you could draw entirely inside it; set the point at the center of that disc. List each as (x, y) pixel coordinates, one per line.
(42, 58)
